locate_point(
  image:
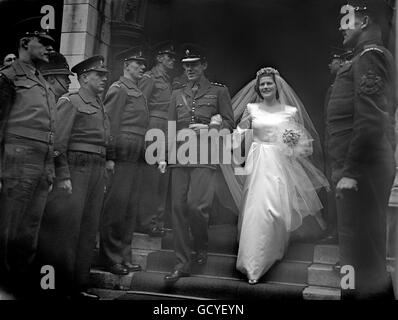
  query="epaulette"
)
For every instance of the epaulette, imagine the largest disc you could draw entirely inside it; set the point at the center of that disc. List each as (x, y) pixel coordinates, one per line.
(115, 84)
(180, 86)
(370, 48)
(67, 95)
(218, 84)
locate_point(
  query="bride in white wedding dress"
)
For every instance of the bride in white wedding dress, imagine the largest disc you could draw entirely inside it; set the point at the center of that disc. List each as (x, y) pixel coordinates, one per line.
(280, 180)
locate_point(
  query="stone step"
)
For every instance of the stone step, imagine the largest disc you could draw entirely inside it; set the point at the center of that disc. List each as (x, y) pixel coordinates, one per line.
(224, 266)
(151, 285)
(144, 241)
(326, 254)
(215, 288)
(106, 280)
(321, 293)
(323, 275)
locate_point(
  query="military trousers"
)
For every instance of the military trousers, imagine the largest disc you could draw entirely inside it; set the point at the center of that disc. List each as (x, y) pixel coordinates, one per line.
(361, 217)
(153, 194)
(192, 196)
(26, 177)
(121, 202)
(71, 222)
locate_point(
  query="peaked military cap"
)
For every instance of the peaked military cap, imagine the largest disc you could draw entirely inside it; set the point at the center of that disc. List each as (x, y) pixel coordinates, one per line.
(57, 65)
(30, 27)
(192, 53)
(95, 63)
(134, 53)
(164, 47)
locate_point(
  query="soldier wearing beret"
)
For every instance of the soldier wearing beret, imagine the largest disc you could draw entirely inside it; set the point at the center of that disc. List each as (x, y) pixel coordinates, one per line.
(27, 119)
(127, 108)
(156, 86)
(73, 210)
(200, 105)
(361, 147)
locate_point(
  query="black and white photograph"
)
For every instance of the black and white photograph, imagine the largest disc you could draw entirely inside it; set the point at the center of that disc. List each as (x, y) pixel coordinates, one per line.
(200, 154)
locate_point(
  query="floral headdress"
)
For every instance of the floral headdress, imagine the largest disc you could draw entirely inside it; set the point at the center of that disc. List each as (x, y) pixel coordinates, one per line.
(267, 71)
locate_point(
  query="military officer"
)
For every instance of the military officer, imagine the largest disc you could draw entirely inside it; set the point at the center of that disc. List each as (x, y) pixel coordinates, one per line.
(361, 146)
(56, 72)
(156, 86)
(127, 108)
(73, 212)
(199, 105)
(26, 155)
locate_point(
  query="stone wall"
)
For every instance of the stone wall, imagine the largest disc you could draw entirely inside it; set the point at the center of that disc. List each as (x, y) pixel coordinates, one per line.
(86, 31)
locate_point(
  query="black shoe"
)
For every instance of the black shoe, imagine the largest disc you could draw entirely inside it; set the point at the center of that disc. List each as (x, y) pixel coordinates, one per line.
(131, 266)
(118, 269)
(156, 232)
(175, 275)
(201, 257)
(84, 295)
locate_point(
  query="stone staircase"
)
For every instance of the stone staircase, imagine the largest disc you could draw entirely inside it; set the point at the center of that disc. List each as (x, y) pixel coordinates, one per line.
(306, 272)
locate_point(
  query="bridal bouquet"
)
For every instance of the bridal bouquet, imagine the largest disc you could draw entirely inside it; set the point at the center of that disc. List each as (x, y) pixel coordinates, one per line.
(291, 137)
(294, 140)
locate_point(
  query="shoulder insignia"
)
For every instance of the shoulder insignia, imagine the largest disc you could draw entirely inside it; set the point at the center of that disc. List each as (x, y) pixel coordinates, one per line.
(217, 84)
(370, 83)
(370, 48)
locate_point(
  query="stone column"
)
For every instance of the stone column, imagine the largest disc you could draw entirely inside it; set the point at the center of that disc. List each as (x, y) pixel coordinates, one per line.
(86, 31)
(128, 18)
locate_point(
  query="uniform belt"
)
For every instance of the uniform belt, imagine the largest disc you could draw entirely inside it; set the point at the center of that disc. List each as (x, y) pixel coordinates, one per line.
(42, 136)
(158, 114)
(87, 147)
(133, 129)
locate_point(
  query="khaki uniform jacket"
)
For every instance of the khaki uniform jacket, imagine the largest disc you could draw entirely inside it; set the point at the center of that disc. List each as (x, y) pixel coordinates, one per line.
(32, 112)
(127, 109)
(156, 87)
(83, 126)
(360, 112)
(188, 107)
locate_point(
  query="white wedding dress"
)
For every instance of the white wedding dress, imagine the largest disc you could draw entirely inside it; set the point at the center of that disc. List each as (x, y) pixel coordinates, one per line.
(279, 190)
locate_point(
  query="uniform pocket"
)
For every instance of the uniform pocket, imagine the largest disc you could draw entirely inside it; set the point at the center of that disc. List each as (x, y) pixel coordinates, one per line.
(24, 84)
(14, 160)
(87, 109)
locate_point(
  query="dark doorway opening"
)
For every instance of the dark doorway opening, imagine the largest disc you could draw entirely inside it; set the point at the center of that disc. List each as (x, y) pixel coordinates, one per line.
(295, 37)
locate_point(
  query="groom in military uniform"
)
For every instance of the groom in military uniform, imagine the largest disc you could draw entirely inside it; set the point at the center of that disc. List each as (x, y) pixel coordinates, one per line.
(361, 146)
(199, 105)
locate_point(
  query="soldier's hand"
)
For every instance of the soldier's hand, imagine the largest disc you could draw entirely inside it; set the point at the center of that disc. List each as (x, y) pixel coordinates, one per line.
(197, 126)
(216, 119)
(50, 188)
(65, 185)
(346, 184)
(162, 166)
(110, 166)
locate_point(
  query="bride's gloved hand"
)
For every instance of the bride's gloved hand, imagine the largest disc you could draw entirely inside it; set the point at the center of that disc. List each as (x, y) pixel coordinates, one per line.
(216, 120)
